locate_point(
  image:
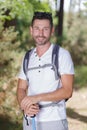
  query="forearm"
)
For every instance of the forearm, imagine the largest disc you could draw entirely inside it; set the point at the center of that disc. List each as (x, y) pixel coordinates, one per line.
(62, 93)
(21, 93)
(56, 95)
(21, 90)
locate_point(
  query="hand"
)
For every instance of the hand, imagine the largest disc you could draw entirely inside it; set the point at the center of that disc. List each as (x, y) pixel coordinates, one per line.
(27, 102)
(32, 110)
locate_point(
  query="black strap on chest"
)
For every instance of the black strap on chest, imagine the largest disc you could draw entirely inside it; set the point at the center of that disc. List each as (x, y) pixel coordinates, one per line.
(26, 60)
(55, 59)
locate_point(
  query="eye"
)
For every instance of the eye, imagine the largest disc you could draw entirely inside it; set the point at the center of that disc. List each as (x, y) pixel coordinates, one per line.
(46, 29)
(36, 29)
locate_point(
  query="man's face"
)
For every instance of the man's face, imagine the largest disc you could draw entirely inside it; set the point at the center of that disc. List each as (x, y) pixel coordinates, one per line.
(41, 31)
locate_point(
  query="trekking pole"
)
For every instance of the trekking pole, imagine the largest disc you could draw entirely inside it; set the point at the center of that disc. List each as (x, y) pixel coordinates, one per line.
(33, 123)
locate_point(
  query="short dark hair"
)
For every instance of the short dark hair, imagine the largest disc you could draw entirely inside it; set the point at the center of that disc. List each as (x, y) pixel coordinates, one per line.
(41, 16)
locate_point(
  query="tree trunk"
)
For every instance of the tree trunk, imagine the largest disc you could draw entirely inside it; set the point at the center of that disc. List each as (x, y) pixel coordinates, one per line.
(60, 20)
(70, 19)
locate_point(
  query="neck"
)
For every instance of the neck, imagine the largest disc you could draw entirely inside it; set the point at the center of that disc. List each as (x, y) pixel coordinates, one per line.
(42, 49)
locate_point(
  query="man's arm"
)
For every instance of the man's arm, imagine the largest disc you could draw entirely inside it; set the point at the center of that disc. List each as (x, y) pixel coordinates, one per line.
(33, 109)
(21, 90)
(62, 93)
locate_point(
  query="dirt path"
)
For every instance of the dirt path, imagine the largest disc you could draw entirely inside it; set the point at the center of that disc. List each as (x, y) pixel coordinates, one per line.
(77, 110)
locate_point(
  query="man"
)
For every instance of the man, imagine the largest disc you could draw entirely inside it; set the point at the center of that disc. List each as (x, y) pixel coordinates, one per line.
(42, 95)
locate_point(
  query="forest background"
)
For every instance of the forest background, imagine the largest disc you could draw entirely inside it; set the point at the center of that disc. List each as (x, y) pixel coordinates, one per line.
(15, 40)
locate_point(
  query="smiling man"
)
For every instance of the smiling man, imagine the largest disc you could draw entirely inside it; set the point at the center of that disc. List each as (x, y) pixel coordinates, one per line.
(39, 93)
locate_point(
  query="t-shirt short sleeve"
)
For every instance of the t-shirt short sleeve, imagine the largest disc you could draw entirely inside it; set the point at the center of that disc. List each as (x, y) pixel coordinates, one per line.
(66, 65)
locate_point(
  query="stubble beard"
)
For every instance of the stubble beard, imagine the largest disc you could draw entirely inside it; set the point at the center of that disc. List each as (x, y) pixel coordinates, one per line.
(44, 41)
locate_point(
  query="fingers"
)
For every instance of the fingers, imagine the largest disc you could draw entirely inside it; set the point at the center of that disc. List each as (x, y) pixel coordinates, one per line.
(24, 103)
(29, 106)
(32, 110)
(27, 102)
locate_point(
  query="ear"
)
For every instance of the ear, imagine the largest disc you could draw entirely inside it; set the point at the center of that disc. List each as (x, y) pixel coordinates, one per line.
(31, 30)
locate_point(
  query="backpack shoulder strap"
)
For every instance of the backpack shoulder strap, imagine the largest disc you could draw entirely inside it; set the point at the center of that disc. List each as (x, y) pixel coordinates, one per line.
(55, 59)
(26, 60)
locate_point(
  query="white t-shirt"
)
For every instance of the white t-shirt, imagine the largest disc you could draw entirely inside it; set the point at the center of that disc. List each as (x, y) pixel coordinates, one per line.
(42, 80)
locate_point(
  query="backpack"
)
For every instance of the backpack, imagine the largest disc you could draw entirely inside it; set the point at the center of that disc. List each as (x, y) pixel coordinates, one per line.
(55, 61)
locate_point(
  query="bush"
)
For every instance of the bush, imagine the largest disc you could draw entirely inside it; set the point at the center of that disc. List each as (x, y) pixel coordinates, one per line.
(80, 77)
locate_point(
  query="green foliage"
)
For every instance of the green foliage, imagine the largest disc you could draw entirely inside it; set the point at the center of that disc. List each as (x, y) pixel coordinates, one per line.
(75, 38)
(8, 48)
(23, 26)
(9, 117)
(7, 44)
(21, 9)
(85, 4)
(80, 77)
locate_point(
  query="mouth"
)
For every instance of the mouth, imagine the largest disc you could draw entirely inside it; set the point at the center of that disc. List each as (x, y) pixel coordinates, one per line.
(40, 38)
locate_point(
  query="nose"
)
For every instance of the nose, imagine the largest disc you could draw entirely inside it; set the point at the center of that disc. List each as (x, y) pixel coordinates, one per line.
(41, 32)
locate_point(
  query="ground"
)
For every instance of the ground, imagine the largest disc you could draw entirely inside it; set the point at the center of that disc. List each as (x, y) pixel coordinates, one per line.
(77, 110)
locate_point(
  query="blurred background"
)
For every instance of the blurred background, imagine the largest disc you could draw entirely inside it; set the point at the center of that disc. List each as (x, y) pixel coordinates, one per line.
(70, 22)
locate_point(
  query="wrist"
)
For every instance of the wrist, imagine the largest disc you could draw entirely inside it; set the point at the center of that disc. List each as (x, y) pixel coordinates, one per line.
(39, 97)
(21, 103)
